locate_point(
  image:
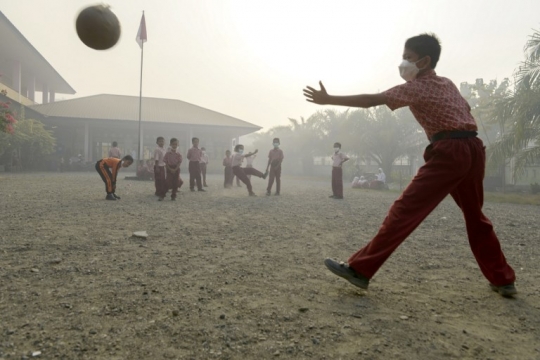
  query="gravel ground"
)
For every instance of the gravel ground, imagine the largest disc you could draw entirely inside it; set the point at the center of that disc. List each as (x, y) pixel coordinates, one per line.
(227, 276)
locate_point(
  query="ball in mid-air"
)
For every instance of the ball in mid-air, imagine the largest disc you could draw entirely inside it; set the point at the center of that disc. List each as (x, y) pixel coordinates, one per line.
(98, 27)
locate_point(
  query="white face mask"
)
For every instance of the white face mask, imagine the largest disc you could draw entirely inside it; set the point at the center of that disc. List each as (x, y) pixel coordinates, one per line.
(408, 70)
(276, 145)
(336, 149)
(240, 151)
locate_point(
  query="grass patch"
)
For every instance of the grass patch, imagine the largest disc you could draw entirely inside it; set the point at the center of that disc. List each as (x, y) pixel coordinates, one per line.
(513, 198)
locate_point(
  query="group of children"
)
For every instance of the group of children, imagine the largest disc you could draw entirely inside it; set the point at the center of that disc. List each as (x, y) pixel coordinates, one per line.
(166, 172)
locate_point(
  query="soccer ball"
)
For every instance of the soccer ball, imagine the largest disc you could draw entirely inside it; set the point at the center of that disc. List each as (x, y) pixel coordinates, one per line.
(98, 27)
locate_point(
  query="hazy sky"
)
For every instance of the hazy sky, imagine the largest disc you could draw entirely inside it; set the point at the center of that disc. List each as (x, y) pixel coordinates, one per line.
(251, 58)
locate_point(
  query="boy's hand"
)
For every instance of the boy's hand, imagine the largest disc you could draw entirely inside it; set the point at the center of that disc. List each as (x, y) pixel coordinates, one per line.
(320, 97)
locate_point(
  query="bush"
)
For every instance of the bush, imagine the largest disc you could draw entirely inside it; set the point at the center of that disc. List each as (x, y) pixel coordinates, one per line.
(535, 188)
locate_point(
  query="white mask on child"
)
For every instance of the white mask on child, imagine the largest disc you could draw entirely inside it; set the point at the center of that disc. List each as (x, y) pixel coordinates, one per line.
(240, 151)
(408, 70)
(276, 145)
(336, 149)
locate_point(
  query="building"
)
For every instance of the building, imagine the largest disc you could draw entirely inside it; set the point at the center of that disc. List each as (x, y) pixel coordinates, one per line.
(89, 125)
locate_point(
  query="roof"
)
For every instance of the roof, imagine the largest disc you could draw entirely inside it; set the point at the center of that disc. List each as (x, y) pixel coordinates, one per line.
(126, 108)
(15, 48)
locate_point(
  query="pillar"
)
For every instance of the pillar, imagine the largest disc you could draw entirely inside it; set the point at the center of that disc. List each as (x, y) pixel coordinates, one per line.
(16, 82)
(51, 98)
(45, 93)
(86, 139)
(32, 89)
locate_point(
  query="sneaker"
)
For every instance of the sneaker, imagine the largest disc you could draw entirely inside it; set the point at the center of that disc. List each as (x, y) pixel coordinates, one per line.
(343, 270)
(202, 190)
(268, 193)
(116, 196)
(191, 190)
(332, 196)
(265, 175)
(205, 185)
(160, 199)
(110, 197)
(276, 194)
(505, 290)
(173, 199)
(252, 194)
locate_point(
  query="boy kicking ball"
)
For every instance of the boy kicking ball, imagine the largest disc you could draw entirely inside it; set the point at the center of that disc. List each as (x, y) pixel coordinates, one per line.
(455, 163)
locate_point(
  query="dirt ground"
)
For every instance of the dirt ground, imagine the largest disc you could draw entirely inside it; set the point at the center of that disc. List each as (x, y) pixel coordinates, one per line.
(227, 276)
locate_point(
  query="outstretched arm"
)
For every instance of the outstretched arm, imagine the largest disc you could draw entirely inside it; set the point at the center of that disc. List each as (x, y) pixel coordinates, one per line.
(322, 97)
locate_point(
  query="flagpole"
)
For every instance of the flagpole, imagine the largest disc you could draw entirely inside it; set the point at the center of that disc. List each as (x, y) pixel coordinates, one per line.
(140, 102)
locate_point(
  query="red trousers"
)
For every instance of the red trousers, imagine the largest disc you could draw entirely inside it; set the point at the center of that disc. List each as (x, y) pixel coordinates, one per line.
(159, 180)
(242, 173)
(275, 174)
(455, 167)
(337, 181)
(174, 182)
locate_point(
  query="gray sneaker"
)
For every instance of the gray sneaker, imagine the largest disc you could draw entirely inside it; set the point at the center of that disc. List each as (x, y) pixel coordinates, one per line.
(505, 290)
(343, 270)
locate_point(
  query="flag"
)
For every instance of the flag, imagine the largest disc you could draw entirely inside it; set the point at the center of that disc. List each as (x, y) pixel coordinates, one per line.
(141, 35)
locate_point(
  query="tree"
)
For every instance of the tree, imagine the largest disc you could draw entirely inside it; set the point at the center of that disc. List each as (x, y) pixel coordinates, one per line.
(519, 112)
(385, 136)
(29, 140)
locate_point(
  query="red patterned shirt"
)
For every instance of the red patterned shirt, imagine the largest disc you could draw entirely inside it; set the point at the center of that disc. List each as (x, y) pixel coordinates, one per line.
(172, 158)
(194, 154)
(435, 102)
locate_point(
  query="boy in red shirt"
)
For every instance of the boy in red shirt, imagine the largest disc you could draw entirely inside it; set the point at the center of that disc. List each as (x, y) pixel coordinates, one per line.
(159, 168)
(104, 167)
(455, 163)
(275, 158)
(172, 160)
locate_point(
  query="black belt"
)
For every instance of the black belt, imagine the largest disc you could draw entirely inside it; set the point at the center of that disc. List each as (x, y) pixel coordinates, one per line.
(443, 135)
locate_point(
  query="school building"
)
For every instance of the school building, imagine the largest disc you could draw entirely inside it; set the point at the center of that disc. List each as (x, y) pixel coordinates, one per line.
(88, 125)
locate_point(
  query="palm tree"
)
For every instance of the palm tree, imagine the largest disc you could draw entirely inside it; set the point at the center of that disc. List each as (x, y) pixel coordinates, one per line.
(519, 114)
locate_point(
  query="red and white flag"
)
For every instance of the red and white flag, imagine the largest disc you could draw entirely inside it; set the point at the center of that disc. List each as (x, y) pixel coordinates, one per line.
(141, 35)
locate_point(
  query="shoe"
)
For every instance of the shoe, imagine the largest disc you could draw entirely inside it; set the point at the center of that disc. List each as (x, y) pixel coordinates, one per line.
(505, 290)
(252, 194)
(344, 271)
(331, 196)
(191, 190)
(160, 199)
(338, 197)
(202, 190)
(268, 193)
(205, 185)
(276, 194)
(173, 199)
(265, 175)
(116, 196)
(110, 197)
(239, 185)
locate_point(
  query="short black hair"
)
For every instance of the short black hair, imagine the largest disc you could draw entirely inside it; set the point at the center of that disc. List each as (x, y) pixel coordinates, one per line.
(238, 147)
(173, 140)
(275, 139)
(193, 139)
(427, 44)
(160, 138)
(114, 144)
(128, 158)
(338, 144)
